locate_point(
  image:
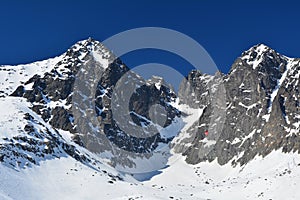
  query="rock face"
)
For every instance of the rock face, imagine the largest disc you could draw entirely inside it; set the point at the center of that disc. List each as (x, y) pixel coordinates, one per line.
(252, 110)
(262, 108)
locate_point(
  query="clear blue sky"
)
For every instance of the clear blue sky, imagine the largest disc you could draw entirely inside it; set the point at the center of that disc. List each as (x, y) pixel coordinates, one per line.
(34, 30)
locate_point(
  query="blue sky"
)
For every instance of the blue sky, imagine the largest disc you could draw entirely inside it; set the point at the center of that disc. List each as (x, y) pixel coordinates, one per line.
(34, 30)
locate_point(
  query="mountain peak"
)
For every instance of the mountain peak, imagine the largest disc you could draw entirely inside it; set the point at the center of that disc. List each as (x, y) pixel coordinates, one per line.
(88, 43)
(259, 49)
(89, 47)
(259, 54)
(260, 46)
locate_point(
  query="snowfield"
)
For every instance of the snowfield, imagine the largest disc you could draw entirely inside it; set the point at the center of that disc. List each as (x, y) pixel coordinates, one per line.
(275, 177)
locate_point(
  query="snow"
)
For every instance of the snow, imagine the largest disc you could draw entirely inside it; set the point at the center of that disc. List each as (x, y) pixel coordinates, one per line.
(250, 135)
(242, 85)
(297, 124)
(262, 175)
(100, 58)
(266, 117)
(248, 107)
(296, 128)
(12, 113)
(62, 178)
(260, 49)
(13, 76)
(236, 140)
(192, 116)
(157, 80)
(274, 177)
(60, 103)
(173, 129)
(208, 143)
(281, 80)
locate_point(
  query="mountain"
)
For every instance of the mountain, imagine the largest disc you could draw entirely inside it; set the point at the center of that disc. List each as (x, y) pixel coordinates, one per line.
(52, 97)
(84, 119)
(262, 108)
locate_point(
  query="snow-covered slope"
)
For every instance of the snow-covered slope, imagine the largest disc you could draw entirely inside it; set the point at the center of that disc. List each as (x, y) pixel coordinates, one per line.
(275, 177)
(13, 76)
